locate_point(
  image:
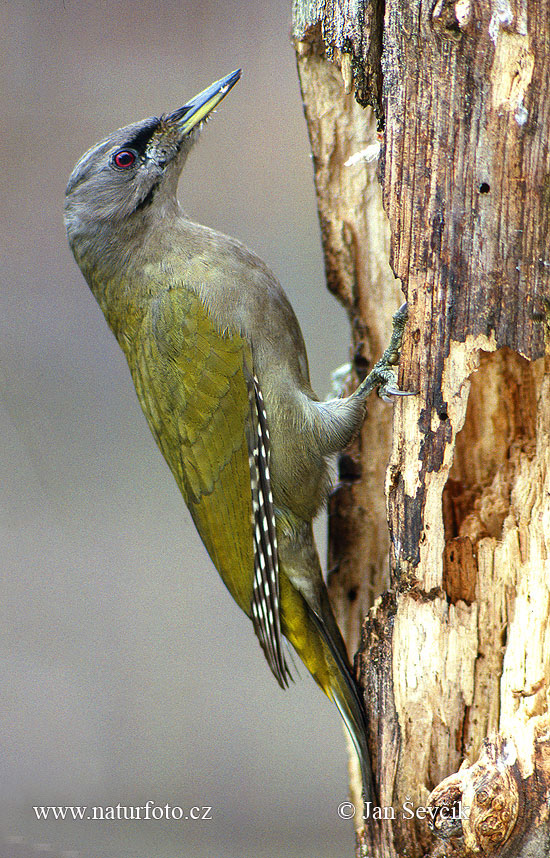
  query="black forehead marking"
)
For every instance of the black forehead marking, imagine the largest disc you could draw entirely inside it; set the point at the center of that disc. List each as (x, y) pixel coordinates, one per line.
(141, 137)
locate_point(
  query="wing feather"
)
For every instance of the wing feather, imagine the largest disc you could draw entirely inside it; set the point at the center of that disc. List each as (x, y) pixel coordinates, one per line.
(191, 384)
(265, 598)
(205, 409)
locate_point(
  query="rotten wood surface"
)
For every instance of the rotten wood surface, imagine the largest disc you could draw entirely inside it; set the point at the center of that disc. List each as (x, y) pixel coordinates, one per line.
(455, 656)
(356, 245)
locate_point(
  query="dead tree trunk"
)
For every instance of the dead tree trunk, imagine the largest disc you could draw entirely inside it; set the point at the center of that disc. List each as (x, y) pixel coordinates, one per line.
(454, 658)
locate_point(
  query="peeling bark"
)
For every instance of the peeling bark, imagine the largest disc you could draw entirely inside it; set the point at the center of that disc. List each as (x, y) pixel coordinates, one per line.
(455, 657)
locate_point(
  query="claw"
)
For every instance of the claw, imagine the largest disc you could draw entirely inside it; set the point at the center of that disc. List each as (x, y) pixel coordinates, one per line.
(386, 391)
(402, 313)
(382, 375)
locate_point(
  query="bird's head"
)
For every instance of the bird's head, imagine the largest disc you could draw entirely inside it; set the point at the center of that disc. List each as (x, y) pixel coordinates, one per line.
(137, 165)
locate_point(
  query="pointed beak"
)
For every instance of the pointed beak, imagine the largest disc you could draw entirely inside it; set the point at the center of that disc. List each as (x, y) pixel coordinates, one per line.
(186, 117)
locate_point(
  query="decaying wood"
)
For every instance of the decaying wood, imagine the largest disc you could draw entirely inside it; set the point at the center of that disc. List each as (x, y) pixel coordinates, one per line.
(455, 658)
(351, 222)
(350, 34)
(356, 244)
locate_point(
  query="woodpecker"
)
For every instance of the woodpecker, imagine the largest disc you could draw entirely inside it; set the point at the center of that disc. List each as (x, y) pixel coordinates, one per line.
(220, 369)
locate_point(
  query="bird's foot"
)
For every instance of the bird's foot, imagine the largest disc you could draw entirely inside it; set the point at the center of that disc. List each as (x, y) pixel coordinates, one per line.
(382, 376)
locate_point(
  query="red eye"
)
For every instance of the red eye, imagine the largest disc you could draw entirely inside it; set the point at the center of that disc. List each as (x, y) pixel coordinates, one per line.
(124, 158)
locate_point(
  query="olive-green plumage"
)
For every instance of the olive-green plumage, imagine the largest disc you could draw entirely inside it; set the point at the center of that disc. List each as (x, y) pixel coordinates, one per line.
(220, 369)
(191, 385)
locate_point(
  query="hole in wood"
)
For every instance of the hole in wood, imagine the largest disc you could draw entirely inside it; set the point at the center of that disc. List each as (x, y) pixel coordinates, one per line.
(484, 188)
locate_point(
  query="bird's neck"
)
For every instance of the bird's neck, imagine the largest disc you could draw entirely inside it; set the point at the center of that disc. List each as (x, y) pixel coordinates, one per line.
(117, 266)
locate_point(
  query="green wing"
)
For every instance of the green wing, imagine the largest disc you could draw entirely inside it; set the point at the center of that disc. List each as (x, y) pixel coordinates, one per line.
(192, 383)
(204, 406)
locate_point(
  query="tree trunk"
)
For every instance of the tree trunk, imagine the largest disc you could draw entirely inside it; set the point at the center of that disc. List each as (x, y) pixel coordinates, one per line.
(454, 657)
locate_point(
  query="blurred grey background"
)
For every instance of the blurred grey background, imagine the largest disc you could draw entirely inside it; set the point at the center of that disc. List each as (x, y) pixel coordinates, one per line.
(128, 672)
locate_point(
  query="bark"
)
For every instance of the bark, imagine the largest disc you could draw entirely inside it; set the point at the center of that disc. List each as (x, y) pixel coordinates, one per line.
(454, 655)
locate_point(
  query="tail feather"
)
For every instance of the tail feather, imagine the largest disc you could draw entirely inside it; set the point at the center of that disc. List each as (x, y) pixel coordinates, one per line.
(344, 692)
(320, 646)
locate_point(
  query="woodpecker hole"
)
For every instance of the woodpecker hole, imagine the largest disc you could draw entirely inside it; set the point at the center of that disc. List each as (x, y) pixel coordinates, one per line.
(484, 188)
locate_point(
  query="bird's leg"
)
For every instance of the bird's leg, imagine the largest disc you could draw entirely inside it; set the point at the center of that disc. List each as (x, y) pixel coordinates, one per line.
(382, 375)
(336, 422)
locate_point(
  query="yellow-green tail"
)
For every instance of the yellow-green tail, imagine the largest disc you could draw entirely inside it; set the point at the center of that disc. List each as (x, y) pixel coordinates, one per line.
(319, 643)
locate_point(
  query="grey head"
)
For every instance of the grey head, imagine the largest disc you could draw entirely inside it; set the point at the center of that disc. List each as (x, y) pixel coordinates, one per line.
(122, 175)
